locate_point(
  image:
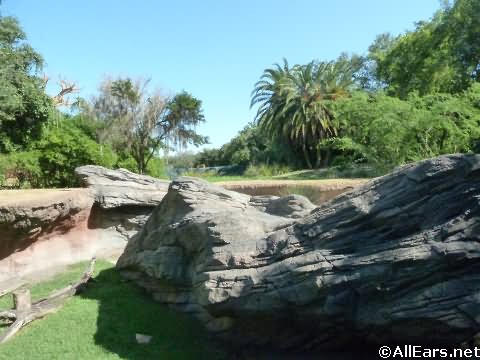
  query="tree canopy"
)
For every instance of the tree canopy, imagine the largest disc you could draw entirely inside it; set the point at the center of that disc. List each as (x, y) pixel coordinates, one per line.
(139, 122)
(440, 55)
(24, 106)
(296, 102)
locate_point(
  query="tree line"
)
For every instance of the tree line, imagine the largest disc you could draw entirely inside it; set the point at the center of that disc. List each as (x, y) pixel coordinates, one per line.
(412, 96)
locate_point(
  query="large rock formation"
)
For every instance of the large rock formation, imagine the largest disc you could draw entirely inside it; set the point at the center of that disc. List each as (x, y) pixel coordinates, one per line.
(24, 215)
(123, 200)
(121, 188)
(42, 229)
(394, 261)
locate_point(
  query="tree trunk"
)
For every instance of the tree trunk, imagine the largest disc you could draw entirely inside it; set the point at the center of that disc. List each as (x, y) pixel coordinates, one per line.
(306, 156)
(327, 157)
(318, 160)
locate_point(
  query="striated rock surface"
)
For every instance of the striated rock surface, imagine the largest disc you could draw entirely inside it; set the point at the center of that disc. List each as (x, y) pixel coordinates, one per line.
(123, 200)
(118, 188)
(394, 261)
(42, 229)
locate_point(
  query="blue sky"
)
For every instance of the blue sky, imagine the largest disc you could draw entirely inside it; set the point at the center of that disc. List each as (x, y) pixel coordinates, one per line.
(214, 49)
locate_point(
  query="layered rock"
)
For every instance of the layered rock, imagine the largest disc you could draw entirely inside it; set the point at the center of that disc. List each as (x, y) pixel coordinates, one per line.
(41, 229)
(24, 215)
(121, 188)
(394, 261)
(123, 200)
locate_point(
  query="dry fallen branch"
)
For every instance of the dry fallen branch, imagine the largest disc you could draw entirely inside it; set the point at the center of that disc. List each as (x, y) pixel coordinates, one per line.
(25, 312)
(10, 286)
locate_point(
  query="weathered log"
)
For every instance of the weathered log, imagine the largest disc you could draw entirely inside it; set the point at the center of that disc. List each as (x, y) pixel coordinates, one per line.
(11, 285)
(22, 301)
(394, 261)
(25, 312)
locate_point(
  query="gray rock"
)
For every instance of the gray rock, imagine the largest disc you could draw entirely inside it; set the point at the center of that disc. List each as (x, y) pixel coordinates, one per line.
(293, 206)
(394, 261)
(123, 200)
(116, 188)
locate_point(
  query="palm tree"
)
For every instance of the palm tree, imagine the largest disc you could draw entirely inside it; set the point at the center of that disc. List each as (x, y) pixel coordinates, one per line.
(295, 103)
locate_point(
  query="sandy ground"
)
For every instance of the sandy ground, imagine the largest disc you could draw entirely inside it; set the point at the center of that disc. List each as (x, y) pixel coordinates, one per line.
(324, 184)
(38, 197)
(34, 197)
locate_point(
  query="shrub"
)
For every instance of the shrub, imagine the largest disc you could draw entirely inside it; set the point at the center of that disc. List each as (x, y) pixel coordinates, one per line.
(266, 170)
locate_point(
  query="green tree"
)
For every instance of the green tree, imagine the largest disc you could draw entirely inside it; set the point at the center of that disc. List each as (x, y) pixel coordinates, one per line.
(63, 147)
(24, 106)
(139, 122)
(51, 160)
(440, 55)
(295, 103)
(250, 146)
(209, 157)
(387, 131)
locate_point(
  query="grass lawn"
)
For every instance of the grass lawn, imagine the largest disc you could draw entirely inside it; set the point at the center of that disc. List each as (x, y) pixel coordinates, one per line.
(221, 178)
(352, 172)
(101, 323)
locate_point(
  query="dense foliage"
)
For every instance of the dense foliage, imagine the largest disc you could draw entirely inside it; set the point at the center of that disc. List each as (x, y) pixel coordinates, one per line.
(440, 55)
(412, 96)
(124, 126)
(24, 106)
(387, 131)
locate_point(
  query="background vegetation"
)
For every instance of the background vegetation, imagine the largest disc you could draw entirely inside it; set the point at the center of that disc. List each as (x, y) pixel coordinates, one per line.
(413, 96)
(44, 138)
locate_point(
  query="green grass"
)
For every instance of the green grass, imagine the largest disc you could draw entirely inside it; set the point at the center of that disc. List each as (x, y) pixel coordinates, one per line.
(264, 172)
(102, 322)
(218, 178)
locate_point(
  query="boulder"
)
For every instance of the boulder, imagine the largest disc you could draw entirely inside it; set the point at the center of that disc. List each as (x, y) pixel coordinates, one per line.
(120, 188)
(123, 200)
(396, 260)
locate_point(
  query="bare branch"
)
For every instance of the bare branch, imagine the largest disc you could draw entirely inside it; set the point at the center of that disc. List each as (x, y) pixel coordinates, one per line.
(66, 88)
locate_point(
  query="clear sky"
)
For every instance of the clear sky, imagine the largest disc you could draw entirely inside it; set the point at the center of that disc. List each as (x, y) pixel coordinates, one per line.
(215, 49)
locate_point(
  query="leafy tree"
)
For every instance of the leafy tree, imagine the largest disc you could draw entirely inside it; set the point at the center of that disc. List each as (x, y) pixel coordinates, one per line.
(440, 55)
(182, 160)
(387, 131)
(24, 106)
(183, 114)
(209, 157)
(139, 122)
(51, 160)
(295, 103)
(250, 146)
(64, 147)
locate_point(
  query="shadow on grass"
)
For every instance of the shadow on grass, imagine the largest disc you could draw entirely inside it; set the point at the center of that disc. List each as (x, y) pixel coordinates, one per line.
(125, 310)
